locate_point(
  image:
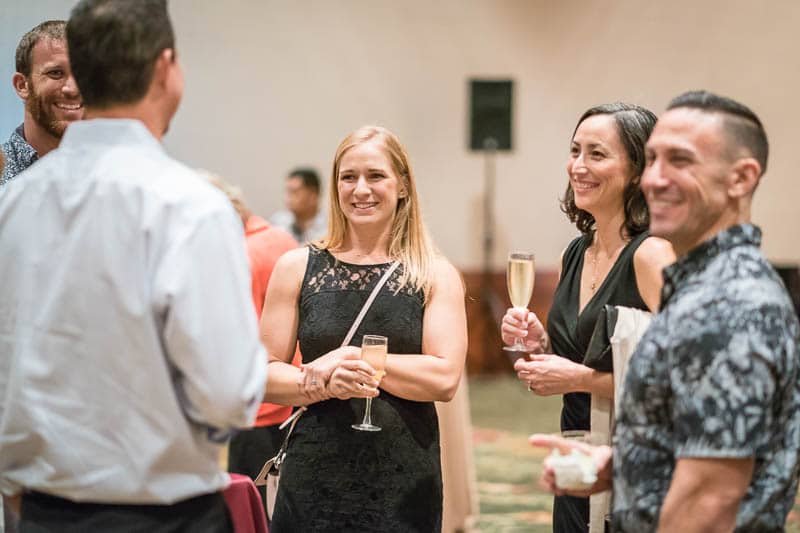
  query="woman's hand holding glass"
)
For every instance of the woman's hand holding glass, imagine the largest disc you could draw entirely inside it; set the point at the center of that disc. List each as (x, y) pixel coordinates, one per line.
(525, 325)
(314, 376)
(353, 378)
(520, 278)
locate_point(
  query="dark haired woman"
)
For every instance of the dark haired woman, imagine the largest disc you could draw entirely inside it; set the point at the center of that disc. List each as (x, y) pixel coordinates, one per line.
(614, 262)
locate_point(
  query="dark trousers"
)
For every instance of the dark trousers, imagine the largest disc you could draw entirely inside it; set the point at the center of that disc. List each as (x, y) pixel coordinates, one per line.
(42, 513)
(570, 514)
(251, 448)
(10, 517)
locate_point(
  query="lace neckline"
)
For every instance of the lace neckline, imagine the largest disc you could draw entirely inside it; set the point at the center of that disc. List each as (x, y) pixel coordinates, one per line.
(356, 265)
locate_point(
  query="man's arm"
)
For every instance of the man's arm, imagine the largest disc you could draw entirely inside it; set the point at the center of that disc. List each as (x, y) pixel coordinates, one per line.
(704, 495)
(210, 331)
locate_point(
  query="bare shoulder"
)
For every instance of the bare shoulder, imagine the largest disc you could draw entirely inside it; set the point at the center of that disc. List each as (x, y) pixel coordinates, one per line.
(653, 254)
(291, 267)
(446, 276)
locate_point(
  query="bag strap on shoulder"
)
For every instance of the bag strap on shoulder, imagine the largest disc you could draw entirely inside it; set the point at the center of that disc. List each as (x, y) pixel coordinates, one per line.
(292, 420)
(368, 303)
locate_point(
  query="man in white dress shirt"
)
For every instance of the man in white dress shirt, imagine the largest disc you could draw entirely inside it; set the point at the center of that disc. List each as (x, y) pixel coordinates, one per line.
(129, 348)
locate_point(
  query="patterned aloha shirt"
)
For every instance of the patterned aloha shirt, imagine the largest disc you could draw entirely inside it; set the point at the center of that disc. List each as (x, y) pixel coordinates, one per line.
(19, 155)
(715, 375)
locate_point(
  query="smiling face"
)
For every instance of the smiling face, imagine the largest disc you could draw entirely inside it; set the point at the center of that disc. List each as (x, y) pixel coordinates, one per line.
(686, 179)
(51, 95)
(367, 185)
(598, 166)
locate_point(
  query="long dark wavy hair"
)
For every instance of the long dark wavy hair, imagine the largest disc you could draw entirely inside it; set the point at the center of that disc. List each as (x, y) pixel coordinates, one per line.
(634, 125)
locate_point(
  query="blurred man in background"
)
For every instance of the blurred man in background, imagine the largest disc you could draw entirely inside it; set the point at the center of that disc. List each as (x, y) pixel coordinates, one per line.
(303, 217)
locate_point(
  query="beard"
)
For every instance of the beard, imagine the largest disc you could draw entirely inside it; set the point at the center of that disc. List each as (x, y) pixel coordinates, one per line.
(41, 109)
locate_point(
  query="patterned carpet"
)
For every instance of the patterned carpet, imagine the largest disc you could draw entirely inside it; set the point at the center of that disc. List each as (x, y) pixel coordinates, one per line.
(503, 415)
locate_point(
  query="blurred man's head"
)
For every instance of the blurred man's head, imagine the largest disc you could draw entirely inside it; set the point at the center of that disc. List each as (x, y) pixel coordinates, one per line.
(44, 81)
(302, 193)
(704, 160)
(123, 56)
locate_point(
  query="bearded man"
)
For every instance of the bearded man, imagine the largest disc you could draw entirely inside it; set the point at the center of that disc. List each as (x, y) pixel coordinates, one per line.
(44, 82)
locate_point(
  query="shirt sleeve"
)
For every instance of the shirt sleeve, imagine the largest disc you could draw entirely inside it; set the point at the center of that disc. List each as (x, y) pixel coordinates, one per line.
(210, 332)
(724, 385)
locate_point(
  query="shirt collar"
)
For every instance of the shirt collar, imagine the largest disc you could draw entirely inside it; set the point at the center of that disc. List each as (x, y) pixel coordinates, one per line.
(255, 224)
(24, 153)
(699, 257)
(20, 132)
(107, 132)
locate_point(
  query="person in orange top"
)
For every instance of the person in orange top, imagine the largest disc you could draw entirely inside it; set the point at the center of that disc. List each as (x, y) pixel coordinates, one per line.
(249, 450)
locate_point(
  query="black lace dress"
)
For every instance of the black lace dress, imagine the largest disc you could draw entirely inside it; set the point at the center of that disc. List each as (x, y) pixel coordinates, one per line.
(335, 478)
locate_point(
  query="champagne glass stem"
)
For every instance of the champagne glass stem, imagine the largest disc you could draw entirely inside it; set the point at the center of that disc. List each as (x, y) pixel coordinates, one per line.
(368, 413)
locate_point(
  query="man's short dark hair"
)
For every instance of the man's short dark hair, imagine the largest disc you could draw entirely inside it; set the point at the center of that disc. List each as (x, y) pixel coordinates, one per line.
(113, 46)
(50, 29)
(740, 123)
(309, 177)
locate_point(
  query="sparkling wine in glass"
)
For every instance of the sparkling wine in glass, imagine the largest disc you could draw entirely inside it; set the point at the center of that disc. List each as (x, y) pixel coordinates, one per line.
(520, 278)
(373, 351)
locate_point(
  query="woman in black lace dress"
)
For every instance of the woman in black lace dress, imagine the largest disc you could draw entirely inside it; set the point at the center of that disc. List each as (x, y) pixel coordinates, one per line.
(613, 262)
(335, 478)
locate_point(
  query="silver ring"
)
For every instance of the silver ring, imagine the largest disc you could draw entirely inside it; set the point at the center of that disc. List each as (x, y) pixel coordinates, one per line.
(313, 381)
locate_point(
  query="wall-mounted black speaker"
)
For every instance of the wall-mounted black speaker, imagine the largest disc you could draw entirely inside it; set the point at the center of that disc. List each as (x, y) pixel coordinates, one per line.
(490, 113)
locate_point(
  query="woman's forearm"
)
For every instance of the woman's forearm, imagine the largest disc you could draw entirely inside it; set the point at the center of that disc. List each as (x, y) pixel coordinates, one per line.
(284, 385)
(596, 382)
(422, 378)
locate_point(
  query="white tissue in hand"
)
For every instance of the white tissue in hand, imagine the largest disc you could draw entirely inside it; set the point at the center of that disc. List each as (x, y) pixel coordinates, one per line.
(575, 471)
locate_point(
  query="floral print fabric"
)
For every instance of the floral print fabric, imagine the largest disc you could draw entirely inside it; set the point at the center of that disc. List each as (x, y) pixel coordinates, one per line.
(715, 376)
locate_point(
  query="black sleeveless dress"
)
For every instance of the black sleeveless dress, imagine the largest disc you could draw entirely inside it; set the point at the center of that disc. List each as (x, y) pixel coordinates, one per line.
(335, 478)
(570, 333)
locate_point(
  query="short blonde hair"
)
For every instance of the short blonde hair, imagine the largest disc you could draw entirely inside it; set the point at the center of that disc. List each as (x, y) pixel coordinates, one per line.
(409, 241)
(233, 193)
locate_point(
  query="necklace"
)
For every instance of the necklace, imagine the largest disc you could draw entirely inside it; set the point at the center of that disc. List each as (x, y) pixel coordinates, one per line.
(593, 285)
(594, 271)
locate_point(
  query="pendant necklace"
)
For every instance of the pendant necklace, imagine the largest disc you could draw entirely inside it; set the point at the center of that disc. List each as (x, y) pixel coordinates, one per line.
(593, 285)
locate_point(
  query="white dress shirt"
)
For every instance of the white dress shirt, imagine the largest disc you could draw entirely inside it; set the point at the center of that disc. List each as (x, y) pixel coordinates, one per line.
(128, 343)
(316, 229)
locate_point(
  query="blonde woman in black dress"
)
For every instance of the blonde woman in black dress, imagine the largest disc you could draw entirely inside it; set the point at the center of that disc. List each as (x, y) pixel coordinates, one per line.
(335, 478)
(614, 261)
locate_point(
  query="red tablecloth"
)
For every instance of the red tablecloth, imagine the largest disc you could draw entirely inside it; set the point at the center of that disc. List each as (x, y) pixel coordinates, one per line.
(245, 505)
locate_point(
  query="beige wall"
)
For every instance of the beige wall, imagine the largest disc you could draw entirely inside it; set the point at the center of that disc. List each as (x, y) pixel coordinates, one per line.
(273, 84)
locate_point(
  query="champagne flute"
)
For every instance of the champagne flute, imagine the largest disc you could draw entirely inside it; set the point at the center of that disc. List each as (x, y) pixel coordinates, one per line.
(373, 351)
(520, 278)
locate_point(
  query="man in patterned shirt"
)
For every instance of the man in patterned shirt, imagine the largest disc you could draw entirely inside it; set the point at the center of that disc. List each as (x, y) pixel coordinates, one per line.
(708, 433)
(44, 82)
